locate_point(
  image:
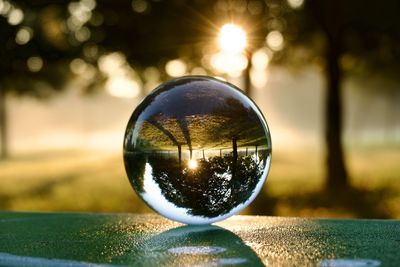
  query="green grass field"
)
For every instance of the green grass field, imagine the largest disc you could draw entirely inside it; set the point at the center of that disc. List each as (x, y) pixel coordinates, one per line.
(96, 181)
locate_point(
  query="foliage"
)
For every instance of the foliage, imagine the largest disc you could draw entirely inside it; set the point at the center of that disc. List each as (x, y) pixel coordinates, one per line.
(58, 32)
(212, 188)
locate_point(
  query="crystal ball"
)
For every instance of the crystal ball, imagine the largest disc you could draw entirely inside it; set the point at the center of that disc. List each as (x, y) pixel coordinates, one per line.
(197, 150)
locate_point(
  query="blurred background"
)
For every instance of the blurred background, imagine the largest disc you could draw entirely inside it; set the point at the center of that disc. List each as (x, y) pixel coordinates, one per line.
(324, 73)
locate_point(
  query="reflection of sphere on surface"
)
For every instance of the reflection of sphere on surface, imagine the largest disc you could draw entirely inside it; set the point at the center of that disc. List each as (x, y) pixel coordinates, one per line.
(197, 150)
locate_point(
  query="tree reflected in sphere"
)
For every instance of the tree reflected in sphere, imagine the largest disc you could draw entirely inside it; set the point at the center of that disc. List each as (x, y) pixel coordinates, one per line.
(197, 150)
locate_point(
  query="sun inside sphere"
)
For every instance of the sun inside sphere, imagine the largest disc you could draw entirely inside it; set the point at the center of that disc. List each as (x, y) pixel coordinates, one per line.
(197, 150)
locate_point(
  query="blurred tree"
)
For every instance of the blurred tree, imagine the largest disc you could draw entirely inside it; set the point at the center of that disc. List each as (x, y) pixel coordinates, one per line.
(344, 36)
(43, 41)
(357, 35)
(33, 52)
(341, 36)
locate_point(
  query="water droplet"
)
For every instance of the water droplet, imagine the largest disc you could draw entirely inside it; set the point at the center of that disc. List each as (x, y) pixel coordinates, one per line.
(197, 150)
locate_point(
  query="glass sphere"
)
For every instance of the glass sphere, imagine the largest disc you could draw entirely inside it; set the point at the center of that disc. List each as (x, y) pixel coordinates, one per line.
(197, 150)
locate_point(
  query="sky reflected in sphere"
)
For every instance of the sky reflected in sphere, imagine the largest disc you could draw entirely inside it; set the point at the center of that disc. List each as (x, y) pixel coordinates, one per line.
(197, 150)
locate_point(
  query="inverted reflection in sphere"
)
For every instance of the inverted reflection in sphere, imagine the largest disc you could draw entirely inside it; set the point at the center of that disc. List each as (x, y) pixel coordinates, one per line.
(197, 150)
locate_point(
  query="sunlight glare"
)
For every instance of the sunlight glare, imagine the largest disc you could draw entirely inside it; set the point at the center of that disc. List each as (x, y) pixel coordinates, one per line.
(78, 66)
(112, 63)
(198, 71)
(88, 4)
(139, 6)
(232, 38)
(192, 164)
(122, 87)
(275, 40)
(122, 79)
(23, 35)
(4, 7)
(220, 78)
(231, 64)
(34, 64)
(295, 3)
(82, 34)
(176, 68)
(260, 59)
(15, 17)
(258, 78)
(81, 13)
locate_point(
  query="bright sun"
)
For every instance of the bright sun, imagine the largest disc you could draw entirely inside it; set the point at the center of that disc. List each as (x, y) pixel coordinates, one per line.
(192, 164)
(232, 38)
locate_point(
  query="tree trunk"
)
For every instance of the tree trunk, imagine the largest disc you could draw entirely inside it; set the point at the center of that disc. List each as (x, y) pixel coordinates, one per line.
(247, 79)
(336, 176)
(180, 153)
(3, 124)
(235, 156)
(329, 15)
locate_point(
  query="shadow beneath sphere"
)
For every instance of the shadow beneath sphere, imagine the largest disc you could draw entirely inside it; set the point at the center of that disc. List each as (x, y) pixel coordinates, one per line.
(192, 246)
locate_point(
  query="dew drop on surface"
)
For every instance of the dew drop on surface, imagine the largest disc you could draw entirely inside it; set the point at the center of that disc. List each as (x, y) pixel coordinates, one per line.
(197, 150)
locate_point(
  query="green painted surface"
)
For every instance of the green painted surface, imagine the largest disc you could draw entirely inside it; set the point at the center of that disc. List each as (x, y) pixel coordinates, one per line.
(71, 239)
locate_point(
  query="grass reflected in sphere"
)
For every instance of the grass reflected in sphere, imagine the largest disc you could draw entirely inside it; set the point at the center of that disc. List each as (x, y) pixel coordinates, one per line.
(197, 150)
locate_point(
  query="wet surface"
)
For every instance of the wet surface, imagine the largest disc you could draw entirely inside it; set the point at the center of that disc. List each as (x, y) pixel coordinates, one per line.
(72, 239)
